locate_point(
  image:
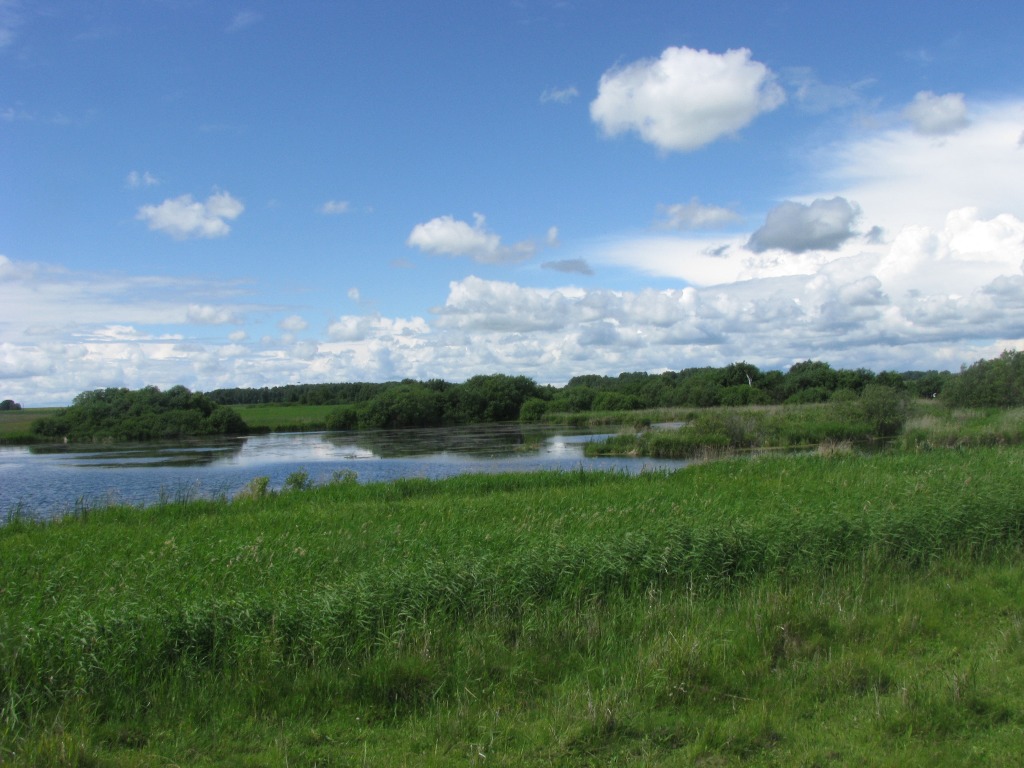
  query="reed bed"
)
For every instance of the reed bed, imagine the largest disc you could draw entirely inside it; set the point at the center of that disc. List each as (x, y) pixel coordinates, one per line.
(556, 618)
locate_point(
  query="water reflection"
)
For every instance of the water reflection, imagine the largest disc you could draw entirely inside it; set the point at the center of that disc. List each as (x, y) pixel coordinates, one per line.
(486, 440)
(171, 454)
(47, 482)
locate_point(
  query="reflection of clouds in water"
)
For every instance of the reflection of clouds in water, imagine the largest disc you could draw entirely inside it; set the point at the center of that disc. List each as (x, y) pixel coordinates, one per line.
(569, 446)
(296, 448)
(558, 446)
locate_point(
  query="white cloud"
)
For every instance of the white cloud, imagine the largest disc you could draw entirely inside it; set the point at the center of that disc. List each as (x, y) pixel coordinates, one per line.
(353, 294)
(901, 177)
(695, 215)
(182, 217)
(795, 227)
(446, 235)
(206, 314)
(134, 179)
(293, 324)
(362, 327)
(935, 115)
(335, 207)
(559, 95)
(686, 98)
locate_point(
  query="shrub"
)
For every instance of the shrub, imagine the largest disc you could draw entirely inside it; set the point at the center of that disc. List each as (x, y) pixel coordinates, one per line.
(345, 417)
(885, 409)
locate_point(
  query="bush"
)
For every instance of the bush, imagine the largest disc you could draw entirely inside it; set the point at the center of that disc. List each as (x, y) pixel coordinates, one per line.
(885, 409)
(345, 417)
(533, 409)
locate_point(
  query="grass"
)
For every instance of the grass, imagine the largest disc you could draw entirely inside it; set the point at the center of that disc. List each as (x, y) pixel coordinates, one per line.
(802, 610)
(285, 418)
(15, 425)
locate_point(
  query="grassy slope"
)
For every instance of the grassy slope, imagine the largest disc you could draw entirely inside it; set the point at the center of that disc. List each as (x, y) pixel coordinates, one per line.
(782, 611)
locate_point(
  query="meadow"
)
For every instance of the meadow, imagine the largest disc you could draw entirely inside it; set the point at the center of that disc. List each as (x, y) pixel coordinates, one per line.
(14, 425)
(285, 417)
(830, 608)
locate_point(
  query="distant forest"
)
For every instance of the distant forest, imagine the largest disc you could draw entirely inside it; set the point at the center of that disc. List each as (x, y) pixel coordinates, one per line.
(499, 397)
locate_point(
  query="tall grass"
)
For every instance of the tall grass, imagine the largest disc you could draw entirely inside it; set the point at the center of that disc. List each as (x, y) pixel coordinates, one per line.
(715, 432)
(569, 618)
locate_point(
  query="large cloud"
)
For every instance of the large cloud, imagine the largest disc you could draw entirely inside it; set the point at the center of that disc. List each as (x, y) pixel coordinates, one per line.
(686, 98)
(182, 217)
(795, 227)
(446, 235)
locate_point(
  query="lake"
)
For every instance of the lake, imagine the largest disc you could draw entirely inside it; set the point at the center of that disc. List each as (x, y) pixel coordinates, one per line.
(51, 481)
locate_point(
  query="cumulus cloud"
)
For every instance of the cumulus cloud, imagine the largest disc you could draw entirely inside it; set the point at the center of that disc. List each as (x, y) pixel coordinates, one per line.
(446, 235)
(695, 215)
(335, 207)
(572, 266)
(686, 98)
(795, 227)
(935, 115)
(182, 217)
(362, 327)
(559, 95)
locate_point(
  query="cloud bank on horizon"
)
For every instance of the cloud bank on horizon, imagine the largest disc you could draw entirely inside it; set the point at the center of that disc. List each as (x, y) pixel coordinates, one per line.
(687, 203)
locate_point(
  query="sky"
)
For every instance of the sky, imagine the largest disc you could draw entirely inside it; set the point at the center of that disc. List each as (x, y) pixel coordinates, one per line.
(253, 193)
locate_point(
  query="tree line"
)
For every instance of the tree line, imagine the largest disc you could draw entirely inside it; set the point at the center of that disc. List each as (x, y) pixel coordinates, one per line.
(150, 414)
(499, 397)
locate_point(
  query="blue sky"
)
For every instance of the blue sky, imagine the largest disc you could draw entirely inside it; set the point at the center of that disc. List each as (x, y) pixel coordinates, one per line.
(256, 193)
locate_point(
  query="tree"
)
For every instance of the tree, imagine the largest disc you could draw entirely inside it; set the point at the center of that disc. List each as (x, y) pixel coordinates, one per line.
(9, 405)
(810, 374)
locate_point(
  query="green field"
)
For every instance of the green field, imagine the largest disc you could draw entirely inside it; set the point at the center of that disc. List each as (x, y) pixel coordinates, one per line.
(285, 418)
(837, 609)
(16, 424)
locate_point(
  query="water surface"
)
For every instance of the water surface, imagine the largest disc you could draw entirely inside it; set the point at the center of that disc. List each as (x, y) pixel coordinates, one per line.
(55, 480)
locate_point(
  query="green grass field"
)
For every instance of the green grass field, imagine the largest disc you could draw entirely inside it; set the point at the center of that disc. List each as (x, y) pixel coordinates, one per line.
(284, 418)
(805, 610)
(16, 424)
